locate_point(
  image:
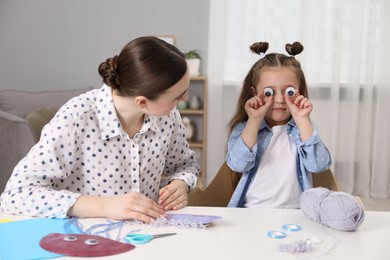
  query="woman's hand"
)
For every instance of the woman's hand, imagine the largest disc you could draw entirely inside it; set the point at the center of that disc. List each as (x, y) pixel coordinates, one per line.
(174, 195)
(123, 207)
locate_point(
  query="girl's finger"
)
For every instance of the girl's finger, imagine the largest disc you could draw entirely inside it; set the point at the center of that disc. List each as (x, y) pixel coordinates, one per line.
(298, 100)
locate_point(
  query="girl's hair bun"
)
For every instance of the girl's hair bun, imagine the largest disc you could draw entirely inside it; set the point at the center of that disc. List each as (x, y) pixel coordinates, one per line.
(294, 49)
(259, 47)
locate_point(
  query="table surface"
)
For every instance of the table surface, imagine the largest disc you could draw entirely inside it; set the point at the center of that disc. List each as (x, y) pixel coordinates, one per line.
(243, 233)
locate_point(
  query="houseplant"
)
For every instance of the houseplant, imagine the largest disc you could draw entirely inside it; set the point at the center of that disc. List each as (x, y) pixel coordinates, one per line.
(193, 62)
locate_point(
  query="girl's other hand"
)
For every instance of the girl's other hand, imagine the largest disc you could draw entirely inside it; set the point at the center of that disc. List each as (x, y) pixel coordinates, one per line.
(174, 195)
(300, 107)
(256, 107)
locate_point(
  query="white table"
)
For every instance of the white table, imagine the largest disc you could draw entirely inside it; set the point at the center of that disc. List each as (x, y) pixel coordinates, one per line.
(242, 234)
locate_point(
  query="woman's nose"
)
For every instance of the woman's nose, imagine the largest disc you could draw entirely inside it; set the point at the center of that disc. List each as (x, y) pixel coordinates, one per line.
(184, 97)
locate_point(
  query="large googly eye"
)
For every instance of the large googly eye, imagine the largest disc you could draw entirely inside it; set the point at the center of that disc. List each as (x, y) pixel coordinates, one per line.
(268, 92)
(91, 242)
(290, 91)
(69, 238)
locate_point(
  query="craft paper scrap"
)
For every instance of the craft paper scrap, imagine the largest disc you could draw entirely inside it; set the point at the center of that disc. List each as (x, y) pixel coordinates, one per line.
(5, 220)
(19, 240)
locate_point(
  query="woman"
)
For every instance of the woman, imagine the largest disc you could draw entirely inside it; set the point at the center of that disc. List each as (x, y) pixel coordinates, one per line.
(117, 152)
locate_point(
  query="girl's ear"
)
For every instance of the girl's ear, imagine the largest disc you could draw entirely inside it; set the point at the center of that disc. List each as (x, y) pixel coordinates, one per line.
(254, 92)
(141, 101)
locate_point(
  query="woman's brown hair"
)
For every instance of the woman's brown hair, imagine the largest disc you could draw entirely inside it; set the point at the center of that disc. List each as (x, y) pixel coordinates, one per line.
(269, 60)
(146, 66)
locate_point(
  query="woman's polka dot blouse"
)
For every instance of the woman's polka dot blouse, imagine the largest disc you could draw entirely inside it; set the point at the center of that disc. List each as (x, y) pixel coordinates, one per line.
(84, 150)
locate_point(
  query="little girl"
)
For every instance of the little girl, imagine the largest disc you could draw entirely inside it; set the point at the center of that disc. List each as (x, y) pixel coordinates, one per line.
(272, 141)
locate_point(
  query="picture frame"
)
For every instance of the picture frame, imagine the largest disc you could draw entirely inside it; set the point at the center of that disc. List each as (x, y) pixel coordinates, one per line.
(171, 39)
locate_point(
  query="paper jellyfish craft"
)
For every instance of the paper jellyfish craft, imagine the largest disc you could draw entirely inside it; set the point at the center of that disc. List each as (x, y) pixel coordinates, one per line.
(83, 245)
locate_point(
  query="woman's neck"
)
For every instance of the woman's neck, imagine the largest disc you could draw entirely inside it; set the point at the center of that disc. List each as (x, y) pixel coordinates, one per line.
(129, 114)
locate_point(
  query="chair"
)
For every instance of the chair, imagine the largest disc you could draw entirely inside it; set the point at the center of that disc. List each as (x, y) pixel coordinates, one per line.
(218, 192)
(325, 179)
(221, 188)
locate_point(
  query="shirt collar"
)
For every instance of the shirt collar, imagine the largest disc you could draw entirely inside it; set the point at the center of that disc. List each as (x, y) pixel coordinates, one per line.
(106, 113)
(151, 123)
(108, 121)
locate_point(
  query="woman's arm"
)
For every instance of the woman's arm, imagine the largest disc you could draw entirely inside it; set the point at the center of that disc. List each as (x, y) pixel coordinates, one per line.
(123, 207)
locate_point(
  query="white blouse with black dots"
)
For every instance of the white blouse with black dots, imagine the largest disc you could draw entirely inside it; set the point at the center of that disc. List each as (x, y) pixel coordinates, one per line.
(84, 150)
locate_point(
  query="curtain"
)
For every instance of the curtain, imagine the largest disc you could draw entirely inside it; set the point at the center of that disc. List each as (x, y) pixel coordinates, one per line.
(344, 60)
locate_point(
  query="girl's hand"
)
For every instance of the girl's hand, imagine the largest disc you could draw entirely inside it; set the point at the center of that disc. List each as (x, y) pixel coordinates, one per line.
(300, 108)
(174, 195)
(256, 107)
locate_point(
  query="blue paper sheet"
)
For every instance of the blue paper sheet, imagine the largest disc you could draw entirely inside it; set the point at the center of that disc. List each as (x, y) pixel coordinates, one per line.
(19, 240)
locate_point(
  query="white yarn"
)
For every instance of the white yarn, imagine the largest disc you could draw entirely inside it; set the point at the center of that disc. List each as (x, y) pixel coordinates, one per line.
(299, 246)
(334, 209)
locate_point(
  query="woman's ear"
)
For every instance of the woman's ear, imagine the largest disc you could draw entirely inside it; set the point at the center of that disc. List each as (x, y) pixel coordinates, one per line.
(141, 101)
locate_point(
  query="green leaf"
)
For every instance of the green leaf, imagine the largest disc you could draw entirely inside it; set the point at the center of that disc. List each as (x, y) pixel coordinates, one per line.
(193, 54)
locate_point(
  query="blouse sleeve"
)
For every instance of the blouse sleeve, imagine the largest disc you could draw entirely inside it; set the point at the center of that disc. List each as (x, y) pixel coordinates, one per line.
(30, 190)
(180, 160)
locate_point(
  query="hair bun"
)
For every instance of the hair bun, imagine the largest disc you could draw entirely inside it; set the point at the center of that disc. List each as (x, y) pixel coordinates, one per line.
(259, 47)
(108, 71)
(294, 49)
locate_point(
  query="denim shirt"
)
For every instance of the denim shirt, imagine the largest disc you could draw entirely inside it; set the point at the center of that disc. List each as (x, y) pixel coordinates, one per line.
(312, 157)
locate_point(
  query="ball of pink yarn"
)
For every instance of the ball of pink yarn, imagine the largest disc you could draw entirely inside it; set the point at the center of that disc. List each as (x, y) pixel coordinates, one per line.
(334, 209)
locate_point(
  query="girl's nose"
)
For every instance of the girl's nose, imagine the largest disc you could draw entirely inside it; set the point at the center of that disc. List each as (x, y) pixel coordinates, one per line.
(279, 97)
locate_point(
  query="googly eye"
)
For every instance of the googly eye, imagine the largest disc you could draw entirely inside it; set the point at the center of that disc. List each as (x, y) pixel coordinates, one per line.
(91, 242)
(69, 238)
(291, 227)
(268, 92)
(290, 91)
(276, 234)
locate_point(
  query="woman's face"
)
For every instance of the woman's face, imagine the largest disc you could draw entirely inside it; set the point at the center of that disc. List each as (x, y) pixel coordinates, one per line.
(167, 101)
(282, 83)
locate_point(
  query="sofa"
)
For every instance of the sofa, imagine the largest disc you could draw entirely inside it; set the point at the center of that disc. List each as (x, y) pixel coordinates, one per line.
(22, 116)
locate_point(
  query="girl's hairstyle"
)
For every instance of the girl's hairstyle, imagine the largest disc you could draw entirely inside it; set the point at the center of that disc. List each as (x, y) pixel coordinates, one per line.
(146, 66)
(267, 61)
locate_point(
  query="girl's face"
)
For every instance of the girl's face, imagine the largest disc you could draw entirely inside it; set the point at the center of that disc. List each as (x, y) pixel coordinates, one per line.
(167, 101)
(281, 83)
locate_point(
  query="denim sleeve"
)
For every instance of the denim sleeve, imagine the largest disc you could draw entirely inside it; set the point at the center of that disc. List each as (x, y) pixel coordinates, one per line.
(314, 154)
(239, 157)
